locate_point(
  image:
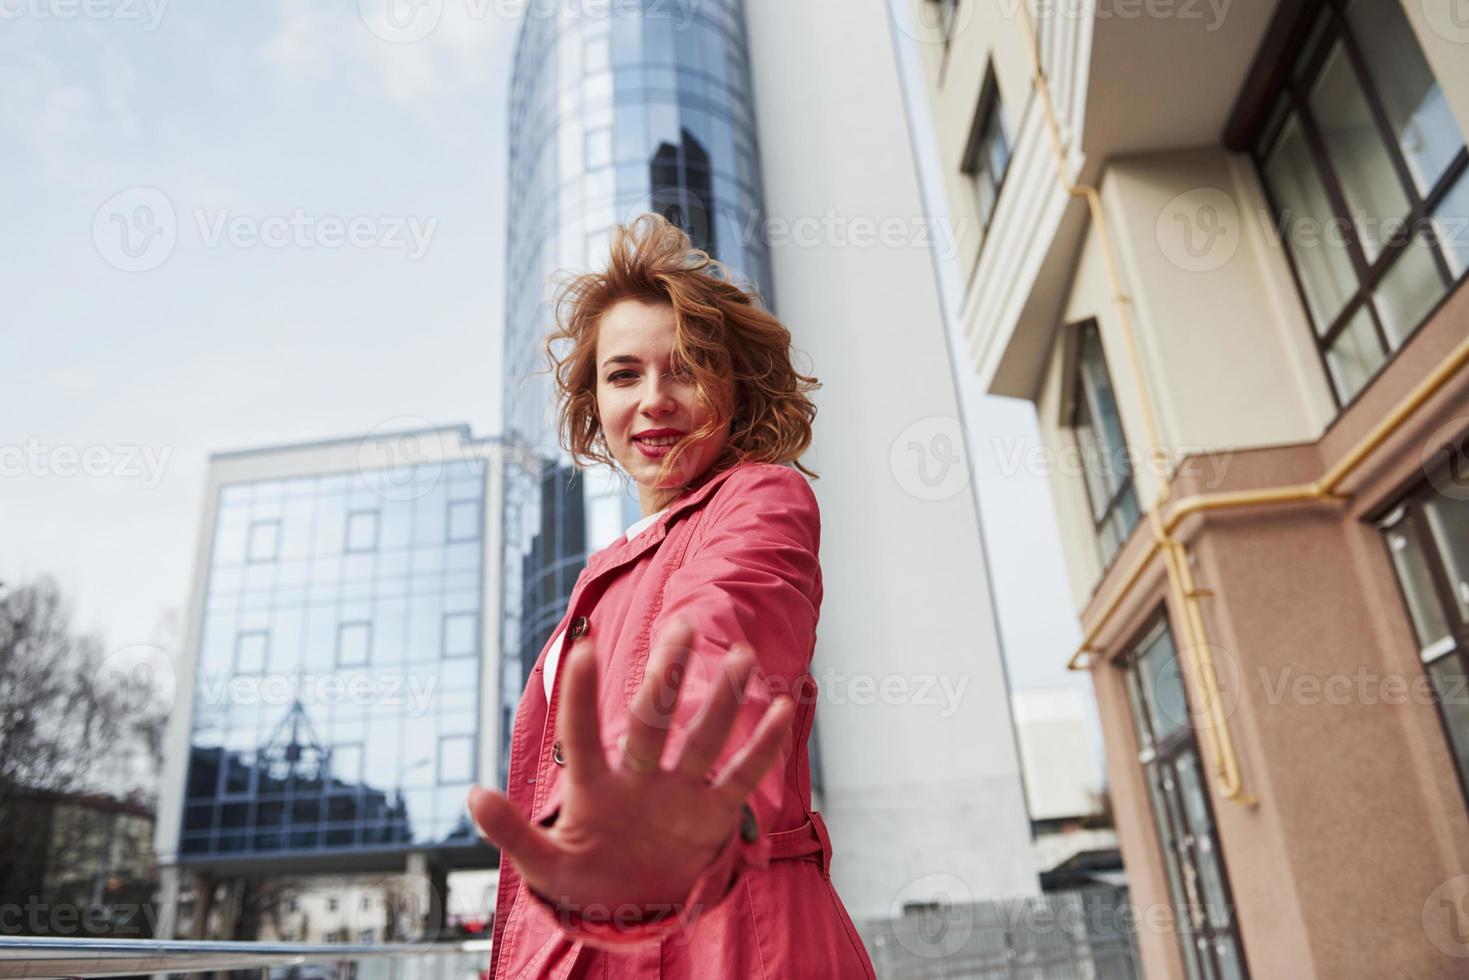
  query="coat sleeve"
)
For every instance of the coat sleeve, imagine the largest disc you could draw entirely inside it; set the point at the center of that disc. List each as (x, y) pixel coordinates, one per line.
(752, 576)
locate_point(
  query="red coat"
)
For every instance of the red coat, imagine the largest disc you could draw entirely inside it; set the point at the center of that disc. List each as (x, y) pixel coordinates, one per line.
(736, 555)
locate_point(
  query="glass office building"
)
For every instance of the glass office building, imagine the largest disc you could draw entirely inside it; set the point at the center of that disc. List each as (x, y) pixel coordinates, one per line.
(336, 698)
(616, 110)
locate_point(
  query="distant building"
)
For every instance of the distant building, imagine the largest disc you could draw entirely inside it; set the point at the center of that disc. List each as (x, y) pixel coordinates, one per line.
(336, 697)
(83, 865)
(1075, 844)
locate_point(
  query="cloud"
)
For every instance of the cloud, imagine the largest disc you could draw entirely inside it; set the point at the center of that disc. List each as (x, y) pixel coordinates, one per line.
(315, 41)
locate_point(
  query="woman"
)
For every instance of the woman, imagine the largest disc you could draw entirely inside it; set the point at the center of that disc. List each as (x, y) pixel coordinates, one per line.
(657, 821)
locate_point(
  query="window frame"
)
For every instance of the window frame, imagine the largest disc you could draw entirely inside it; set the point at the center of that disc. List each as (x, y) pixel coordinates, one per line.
(1077, 399)
(1159, 755)
(1409, 502)
(1260, 135)
(989, 106)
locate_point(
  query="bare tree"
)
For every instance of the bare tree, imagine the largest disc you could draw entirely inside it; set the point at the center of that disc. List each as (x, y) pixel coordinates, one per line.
(65, 731)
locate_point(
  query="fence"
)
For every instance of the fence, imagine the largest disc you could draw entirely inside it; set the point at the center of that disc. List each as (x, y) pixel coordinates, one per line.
(1076, 935)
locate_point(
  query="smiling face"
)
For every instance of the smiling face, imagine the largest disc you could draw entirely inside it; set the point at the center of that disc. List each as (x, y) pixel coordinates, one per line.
(642, 391)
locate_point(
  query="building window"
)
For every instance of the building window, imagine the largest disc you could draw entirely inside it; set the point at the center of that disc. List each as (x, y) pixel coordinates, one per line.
(264, 542)
(1364, 167)
(987, 154)
(1178, 791)
(1427, 540)
(354, 644)
(251, 650)
(461, 635)
(463, 520)
(362, 530)
(1106, 468)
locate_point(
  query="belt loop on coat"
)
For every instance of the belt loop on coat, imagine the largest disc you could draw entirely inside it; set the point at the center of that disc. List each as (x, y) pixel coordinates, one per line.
(820, 826)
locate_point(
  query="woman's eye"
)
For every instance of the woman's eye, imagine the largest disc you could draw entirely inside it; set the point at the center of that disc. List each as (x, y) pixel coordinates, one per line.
(619, 375)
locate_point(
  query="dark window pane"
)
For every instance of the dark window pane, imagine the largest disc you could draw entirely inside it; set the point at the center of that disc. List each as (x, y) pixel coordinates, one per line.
(1323, 265)
(1420, 118)
(1358, 154)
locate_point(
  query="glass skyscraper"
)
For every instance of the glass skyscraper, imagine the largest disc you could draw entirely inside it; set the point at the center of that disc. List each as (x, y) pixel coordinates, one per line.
(616, 110)
(337, 686)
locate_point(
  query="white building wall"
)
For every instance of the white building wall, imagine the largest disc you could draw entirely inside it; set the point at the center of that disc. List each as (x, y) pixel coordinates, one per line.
(922, 784)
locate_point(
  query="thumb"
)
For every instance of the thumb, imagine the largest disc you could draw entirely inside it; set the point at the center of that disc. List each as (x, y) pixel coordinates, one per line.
(499, 821)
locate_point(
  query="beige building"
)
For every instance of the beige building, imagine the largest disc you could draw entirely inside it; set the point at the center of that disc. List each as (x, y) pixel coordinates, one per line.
(1221, 248)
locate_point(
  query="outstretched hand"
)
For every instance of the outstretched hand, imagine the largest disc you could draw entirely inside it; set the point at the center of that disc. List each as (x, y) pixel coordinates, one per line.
(634, 832)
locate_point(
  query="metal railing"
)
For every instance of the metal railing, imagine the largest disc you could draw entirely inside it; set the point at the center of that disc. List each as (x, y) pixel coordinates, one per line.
(51, 957)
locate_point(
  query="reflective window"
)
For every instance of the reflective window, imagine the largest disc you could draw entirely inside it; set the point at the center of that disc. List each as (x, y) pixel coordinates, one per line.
(988, 156)
(337, 697)
(1106, 468)
(1427, 540)
(1364, 165)
(1177, 788)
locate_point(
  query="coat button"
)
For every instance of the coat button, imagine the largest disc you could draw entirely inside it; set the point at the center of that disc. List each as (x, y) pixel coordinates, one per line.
(556, 754)
(749, 832)
(579, 627)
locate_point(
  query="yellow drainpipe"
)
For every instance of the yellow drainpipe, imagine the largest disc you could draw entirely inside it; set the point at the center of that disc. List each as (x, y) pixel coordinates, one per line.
(1183, 588)
(1180, 579)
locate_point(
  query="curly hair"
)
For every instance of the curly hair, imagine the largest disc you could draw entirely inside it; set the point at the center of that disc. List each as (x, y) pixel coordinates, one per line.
(737, 352)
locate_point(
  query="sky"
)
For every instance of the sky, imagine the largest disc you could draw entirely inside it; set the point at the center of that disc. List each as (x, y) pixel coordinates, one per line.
(234, 225)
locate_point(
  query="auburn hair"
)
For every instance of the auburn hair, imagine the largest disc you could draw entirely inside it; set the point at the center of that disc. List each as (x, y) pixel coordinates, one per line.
(737, 352)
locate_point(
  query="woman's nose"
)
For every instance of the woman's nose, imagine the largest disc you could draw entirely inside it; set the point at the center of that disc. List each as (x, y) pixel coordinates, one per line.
(657, 397)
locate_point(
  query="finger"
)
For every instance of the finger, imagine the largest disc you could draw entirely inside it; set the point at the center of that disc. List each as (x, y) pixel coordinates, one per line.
(743, 771)
(499, 822)
(650, 716)
(708, 735)
(577, 724)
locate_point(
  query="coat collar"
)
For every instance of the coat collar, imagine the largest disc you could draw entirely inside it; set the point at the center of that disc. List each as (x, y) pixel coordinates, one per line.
(622, 550)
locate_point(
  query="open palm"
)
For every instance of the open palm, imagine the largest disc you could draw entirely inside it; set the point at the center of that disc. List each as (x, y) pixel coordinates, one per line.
(635, 833)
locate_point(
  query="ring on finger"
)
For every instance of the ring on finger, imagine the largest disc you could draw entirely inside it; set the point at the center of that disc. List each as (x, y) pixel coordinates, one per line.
(631, 762)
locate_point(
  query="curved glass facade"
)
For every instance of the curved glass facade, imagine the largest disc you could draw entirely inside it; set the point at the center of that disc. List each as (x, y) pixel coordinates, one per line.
(616, 110)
